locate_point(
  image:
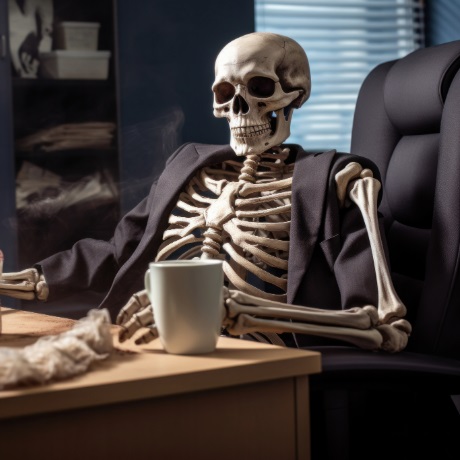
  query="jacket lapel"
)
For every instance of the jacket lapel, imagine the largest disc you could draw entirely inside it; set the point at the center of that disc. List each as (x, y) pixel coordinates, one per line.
(180, 169)
(309, 191)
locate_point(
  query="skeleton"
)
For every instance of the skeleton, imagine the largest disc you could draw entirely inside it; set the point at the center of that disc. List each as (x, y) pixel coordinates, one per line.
(240, 211)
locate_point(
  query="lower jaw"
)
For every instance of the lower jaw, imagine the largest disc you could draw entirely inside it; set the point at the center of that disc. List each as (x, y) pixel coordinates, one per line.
(252, 145)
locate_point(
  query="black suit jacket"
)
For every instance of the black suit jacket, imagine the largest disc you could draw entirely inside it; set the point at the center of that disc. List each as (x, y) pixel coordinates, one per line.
(330, 263)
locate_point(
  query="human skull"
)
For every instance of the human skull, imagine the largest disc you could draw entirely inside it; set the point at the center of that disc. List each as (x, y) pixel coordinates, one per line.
(260, 78)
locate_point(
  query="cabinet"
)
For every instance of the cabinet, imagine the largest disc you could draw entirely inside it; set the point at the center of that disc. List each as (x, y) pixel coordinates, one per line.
(64, 127)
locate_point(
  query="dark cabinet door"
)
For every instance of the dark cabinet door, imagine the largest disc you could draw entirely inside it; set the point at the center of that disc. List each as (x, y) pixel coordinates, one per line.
(7, 176)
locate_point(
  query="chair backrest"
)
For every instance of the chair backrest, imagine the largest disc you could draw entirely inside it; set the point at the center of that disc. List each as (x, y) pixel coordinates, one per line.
(407, 120)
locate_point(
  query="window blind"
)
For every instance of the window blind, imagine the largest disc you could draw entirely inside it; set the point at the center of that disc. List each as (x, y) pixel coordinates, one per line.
(344, 40)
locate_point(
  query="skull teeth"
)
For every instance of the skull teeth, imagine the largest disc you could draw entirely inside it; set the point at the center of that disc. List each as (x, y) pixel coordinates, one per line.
(251, 131)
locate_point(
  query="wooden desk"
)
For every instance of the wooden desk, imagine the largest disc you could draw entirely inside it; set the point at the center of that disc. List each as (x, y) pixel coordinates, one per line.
(244, 401)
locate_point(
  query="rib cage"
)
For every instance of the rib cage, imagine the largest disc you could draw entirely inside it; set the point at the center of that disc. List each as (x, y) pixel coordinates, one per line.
(251, 232)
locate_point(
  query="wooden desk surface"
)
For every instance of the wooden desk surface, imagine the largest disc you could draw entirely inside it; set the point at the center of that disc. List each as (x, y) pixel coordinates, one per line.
(138, 372)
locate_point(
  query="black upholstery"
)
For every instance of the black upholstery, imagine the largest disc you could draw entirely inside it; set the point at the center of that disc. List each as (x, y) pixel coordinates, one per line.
(407, 120)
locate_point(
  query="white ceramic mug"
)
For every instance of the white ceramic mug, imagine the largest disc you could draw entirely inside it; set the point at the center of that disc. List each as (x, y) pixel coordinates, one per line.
(186, 296)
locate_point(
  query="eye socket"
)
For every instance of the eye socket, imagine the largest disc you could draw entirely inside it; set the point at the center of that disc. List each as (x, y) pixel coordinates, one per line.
(261, 87)
(224, 92)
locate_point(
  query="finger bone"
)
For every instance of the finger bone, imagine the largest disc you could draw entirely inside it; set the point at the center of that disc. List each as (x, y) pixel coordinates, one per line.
(137, 302)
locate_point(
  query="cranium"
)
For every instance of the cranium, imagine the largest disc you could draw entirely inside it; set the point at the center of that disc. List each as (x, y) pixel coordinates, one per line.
(260, 78)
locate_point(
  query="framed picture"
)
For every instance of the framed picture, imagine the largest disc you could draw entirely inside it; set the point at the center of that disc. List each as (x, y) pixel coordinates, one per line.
(31, 27)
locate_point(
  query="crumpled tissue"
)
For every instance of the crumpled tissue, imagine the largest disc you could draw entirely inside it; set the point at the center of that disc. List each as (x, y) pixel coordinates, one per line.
(57, 357)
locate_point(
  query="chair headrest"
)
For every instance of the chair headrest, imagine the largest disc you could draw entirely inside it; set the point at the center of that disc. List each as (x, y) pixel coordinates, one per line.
(416, 87)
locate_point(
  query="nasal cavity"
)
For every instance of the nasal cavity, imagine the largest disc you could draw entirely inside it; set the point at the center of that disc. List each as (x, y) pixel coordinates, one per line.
(240, 106)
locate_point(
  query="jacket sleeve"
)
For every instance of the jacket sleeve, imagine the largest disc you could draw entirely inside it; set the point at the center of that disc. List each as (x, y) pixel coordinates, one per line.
(92, 264)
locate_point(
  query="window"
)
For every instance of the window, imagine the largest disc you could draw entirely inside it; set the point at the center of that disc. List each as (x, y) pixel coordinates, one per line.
(344, 40)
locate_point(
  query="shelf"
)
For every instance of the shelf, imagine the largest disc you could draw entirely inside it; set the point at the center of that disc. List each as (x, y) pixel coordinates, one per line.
(70, 153)
(63, 83)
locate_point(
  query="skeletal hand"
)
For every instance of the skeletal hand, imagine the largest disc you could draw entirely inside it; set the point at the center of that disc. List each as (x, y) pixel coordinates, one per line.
(135, 315)
(25, 285)
(395, 335)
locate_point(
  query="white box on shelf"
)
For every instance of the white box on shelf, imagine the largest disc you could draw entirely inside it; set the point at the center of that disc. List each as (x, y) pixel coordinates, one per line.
(77, 36)
(86, 65)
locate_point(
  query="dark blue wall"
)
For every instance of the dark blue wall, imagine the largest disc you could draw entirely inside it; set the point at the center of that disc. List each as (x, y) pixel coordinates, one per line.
(166, 55)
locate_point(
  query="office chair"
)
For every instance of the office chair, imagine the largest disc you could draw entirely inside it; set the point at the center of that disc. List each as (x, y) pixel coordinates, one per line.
(376, 405)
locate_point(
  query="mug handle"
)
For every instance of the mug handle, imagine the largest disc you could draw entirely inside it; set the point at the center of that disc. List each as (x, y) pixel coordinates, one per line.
(147, 281)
